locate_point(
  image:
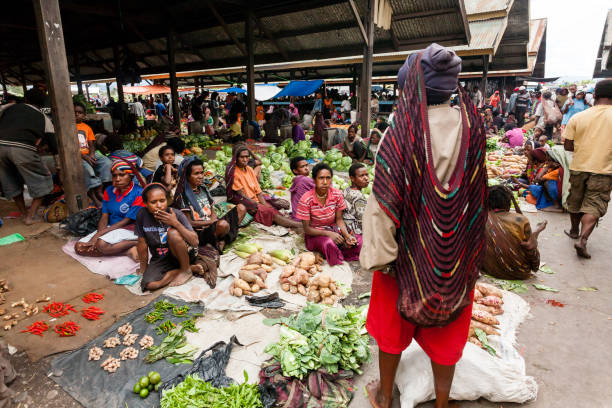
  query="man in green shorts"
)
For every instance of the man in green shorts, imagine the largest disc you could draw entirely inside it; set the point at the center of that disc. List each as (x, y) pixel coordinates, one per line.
(587, 134)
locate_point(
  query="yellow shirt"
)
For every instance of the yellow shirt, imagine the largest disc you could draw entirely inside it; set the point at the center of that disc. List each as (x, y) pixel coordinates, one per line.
(590, 131)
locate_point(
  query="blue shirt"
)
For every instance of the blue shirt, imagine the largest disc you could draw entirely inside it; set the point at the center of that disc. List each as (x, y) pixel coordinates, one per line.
(160, 108)
(578, 106)
(125, 206)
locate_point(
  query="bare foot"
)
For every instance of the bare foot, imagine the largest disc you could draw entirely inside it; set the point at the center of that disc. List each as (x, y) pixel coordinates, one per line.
(581, 250)
(181, 278)
(29, 220)
(540, 226)
(133, 253)
(197, 269)
(376, 399)
(572, 234)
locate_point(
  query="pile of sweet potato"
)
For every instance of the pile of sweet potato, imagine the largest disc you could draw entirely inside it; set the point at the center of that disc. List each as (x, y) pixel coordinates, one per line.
(253, 275)
(321, 289)
(295, 277)
(488, 301)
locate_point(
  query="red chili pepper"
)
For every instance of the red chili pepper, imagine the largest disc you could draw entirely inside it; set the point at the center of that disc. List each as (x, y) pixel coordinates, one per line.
(67, 329)
(92, 297)
(37, 328)
(58, 309)
(92, 313)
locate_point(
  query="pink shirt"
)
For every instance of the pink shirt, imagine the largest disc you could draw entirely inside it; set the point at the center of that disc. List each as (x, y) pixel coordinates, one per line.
(309, 208)
(515, 137)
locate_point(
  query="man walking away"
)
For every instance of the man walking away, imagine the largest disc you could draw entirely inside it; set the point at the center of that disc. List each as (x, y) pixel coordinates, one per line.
(521, 105)
(22, 129)
(587, 134)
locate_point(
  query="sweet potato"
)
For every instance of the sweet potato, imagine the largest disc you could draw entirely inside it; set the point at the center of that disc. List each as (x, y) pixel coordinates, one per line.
(325, 292)
(255, 258)
(267, 259)
(251, 267)
(302, 290)
(237, 292)
(491, 301)
(475, 341)
(484, 317)
(267, 268)
(293, 289)
(260, 283)
(313, 296)
(313, 287)
(491, 309)
(490, 330)
(255, 288)
(239, 283)
(292, 280)
(477, 295)
(285, 287)
(247, 276)
(287, 271)
(489, 290)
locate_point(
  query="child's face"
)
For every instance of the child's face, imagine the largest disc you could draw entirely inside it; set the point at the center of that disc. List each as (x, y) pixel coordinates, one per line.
(168, 157)
(79, 114)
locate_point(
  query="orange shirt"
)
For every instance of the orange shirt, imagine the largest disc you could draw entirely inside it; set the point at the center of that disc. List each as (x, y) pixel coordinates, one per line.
(85, 134)
(260, 113)
(245, 180)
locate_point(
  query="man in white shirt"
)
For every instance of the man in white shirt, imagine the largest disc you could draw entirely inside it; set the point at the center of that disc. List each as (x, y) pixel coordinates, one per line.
(346, 108)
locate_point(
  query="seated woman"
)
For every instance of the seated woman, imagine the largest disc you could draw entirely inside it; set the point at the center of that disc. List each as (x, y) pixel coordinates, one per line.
(354, 198)
(167, 172)
(243, 188)
(545, 181)
(371, 146)
(512, 248)
(301, 184)
(166, 234)
(122, 202)
(320, 210)
(192, 197)
(353, 145)
(297, 133)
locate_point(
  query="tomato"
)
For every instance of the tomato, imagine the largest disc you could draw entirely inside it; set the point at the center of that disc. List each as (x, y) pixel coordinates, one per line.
(137, 388)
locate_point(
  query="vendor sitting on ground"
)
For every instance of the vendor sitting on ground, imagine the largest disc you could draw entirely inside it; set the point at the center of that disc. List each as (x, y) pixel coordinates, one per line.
(297, 133)
(353, 145)
(192, 197)
(122, 202)
(301, 184)
(320, 210)
(165, 233)
(243, 188)
(545, 181)
(371, 145)
(512, 248)
(166, 173)
(354, 198)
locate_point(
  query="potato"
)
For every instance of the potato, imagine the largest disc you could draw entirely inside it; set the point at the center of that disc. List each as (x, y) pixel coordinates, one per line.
(255, 288)
(484, 317)
(239, 283)
(287, 271)
(324, 280)
(325, 292)
(292, 280)
(313, 287)
(293, 289)
(260, 283)
(332, 286)
(307, 259)
(247, 276)
(302, 290)
(285, 287)
(251, 267)
(237, 292)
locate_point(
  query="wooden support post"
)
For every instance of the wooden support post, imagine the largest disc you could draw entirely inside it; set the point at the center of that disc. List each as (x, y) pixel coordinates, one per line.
(4, 91)
(86, 91)
(118, 74)
(176, 111)
(77, 73)
(51, 38)
(108, 90)
(250, 64)
(366, 72)
(485, 71)
(24, 84)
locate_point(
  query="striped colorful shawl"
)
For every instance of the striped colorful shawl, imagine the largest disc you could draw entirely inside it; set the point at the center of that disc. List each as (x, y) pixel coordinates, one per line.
(440, 232)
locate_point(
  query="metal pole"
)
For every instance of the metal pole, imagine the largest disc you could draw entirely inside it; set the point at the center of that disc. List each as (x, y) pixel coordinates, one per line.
(51, 38)
(366, 77)
(176, 111)
(248, 34)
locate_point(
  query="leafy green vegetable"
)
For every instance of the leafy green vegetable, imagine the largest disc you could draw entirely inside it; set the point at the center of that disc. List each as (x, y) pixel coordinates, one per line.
(195, 392)
(307, 343)
(516, 286)
(482, 336)
(546, 269)
(492, 144)
(174, 348)
(544, 287)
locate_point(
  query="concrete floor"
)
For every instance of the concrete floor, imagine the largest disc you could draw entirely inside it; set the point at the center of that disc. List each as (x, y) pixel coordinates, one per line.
(566, 349)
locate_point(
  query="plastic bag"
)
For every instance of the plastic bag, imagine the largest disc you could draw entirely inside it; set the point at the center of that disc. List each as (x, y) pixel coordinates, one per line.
(82, 223)
(270, 301)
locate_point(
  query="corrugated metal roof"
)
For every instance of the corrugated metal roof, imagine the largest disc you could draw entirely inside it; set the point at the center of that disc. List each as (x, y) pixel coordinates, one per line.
(486, 36)
(475, 8)
(603, 62)
(537, 28)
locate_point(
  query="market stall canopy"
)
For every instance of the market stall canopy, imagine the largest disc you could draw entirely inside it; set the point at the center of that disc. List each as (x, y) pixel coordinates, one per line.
(211, 34)
(603, 63)
(232, 90)
(300, 88)
(266, 92)
(151, 89)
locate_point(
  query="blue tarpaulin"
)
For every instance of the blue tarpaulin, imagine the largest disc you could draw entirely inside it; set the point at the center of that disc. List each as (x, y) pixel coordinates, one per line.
(232, 90)
(300, 88)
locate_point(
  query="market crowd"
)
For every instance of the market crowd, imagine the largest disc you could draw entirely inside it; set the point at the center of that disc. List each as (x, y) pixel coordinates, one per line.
(157, 205)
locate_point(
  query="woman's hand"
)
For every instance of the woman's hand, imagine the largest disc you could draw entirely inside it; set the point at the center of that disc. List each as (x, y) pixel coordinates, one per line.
(350, 240)
(337, 238)
(168, 218)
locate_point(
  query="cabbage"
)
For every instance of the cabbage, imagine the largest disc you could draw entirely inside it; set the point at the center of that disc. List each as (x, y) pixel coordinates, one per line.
(265, 161)
(281, 149)
(303, 145)
(346, 161)
(227, 150)
(220, 155)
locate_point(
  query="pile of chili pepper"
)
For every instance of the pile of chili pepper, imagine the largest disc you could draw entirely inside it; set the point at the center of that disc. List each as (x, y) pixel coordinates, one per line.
(163, 305)
(37, 328)
(92, 297)
(154, 316)
(165, 327)
(92, 313)
(59, 309)
(67, 329)
(180, 311)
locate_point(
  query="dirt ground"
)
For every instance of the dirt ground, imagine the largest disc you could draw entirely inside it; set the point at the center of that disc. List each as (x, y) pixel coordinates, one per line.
(565, 349)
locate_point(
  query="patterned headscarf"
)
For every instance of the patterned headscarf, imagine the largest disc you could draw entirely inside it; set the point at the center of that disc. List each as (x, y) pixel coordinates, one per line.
(122, 165)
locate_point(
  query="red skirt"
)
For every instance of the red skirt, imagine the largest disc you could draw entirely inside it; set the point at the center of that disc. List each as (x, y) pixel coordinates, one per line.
(265, 214)
(393, 334)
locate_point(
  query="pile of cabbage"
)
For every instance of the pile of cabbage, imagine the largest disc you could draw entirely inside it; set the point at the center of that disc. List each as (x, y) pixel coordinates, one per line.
(337, 161)
(217, 166)
(306, 344)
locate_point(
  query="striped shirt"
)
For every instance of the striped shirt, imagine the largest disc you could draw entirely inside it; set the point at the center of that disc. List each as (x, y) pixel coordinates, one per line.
(309, 208)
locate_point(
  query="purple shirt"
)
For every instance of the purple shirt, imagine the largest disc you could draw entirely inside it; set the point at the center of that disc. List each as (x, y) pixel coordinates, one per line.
(301, 185)
(298, 134)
